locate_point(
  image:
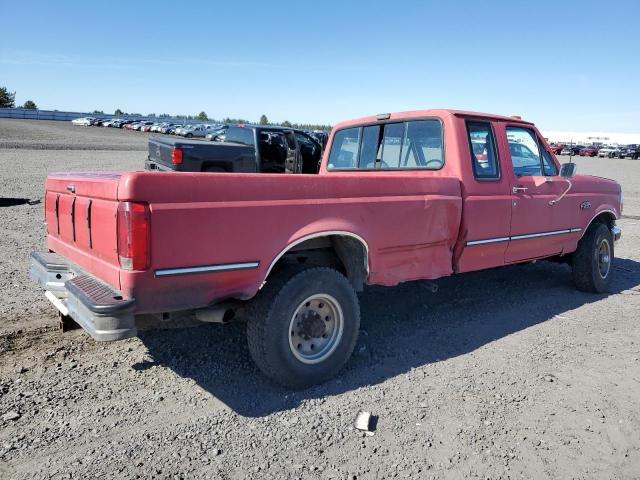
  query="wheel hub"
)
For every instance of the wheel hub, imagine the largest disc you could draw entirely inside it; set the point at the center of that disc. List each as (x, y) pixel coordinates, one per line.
(312, 325)
(316, 328)
(604, 258)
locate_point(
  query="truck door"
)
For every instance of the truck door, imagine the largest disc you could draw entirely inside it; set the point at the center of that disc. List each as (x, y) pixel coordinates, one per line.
(292, 161)
(533, 233)
(487, 198)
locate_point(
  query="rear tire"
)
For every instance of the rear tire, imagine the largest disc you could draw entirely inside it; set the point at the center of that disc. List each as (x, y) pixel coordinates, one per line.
(303, 326)
(593, 260)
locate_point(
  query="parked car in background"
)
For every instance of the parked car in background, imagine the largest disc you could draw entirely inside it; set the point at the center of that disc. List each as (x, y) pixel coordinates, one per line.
(139, 127)
(171, 129)
(590, 151)
(607, 151)
(83, 122)
(180, 130)
(121, 123)
(238, 149)
(321, 137)
(571, 150)
(215, 134)
(198, 131)
(631, 151)
(166, 127)
(556, 149)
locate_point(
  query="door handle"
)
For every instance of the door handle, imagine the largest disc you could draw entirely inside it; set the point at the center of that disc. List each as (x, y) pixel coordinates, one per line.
(519, 189)
(569, 185)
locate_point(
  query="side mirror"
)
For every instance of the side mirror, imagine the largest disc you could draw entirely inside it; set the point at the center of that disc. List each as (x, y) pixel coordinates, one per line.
(568, 170)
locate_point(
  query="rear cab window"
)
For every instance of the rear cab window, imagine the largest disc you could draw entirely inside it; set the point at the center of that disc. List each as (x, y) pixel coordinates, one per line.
(240, 135)
(482, 148)
(413, 144)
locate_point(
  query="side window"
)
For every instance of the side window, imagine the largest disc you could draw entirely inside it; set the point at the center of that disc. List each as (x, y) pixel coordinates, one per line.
(369, 149)
(550, 169)
(344, 149)
(482, 145)
(525, 153)
(422, 146)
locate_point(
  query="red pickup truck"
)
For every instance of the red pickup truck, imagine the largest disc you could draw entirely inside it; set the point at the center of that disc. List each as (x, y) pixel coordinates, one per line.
(398, 197)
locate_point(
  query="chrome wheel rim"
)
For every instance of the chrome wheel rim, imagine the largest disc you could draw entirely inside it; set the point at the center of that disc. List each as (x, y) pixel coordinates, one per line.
(315, 329)
(604, 258)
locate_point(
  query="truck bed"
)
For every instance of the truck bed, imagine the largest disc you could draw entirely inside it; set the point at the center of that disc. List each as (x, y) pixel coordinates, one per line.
(200, 155)
(248, 219)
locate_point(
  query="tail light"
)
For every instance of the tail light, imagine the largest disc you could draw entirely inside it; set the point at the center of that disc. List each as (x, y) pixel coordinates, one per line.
(176, 156)
(134, 231)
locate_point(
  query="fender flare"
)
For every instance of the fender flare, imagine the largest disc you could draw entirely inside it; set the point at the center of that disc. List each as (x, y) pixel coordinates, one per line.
(604, 210)
(326, 233)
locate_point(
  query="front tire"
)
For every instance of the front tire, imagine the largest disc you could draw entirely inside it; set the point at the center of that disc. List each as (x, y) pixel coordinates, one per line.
(593, 260)
(303, 326)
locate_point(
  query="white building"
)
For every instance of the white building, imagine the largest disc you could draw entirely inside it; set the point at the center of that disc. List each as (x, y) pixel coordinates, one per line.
(589, 138)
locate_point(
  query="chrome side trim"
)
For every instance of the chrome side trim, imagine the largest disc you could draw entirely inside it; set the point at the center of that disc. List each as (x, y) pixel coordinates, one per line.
(489, 240)
(225, 267)
(543, 234)
(323, 234)
(522, 237)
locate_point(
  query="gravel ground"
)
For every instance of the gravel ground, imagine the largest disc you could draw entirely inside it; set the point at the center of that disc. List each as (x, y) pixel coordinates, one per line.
(56, 135)
(507, 373)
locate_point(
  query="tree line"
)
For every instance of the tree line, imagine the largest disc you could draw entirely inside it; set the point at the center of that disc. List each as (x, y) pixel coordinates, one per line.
(7, 100)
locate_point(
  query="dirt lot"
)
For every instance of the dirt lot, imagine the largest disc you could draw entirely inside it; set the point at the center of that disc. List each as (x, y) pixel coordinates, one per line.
(509, 373)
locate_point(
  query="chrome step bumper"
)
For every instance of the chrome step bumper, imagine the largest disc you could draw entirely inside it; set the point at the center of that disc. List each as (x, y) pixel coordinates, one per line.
(96, 307)
(616, 231)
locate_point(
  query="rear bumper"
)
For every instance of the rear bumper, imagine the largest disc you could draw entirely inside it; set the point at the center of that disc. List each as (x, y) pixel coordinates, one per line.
(151, 165)
(96, 307)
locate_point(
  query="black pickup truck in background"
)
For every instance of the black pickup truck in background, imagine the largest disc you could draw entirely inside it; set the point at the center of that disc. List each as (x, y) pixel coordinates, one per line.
(242, 148)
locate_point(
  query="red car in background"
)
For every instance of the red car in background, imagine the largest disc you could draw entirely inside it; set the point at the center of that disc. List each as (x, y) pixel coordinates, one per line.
(589, 151)
(556, 149)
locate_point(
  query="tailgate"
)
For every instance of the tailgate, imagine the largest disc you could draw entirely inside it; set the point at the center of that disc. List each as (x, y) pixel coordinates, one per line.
(160, 151)
(81, 216)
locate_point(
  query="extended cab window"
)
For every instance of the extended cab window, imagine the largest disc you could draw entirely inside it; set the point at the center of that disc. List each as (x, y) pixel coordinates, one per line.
(525, 152)
(344, 149)
(482, 145)
(413, 145)
(422, 145)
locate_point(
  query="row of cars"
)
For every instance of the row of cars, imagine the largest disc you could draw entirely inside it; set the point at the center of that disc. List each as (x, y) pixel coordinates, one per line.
(604, 151)
(202, 130)
(138, 125)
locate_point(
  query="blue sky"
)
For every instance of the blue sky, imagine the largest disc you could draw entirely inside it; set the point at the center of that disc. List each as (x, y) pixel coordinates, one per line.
(566, 65)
